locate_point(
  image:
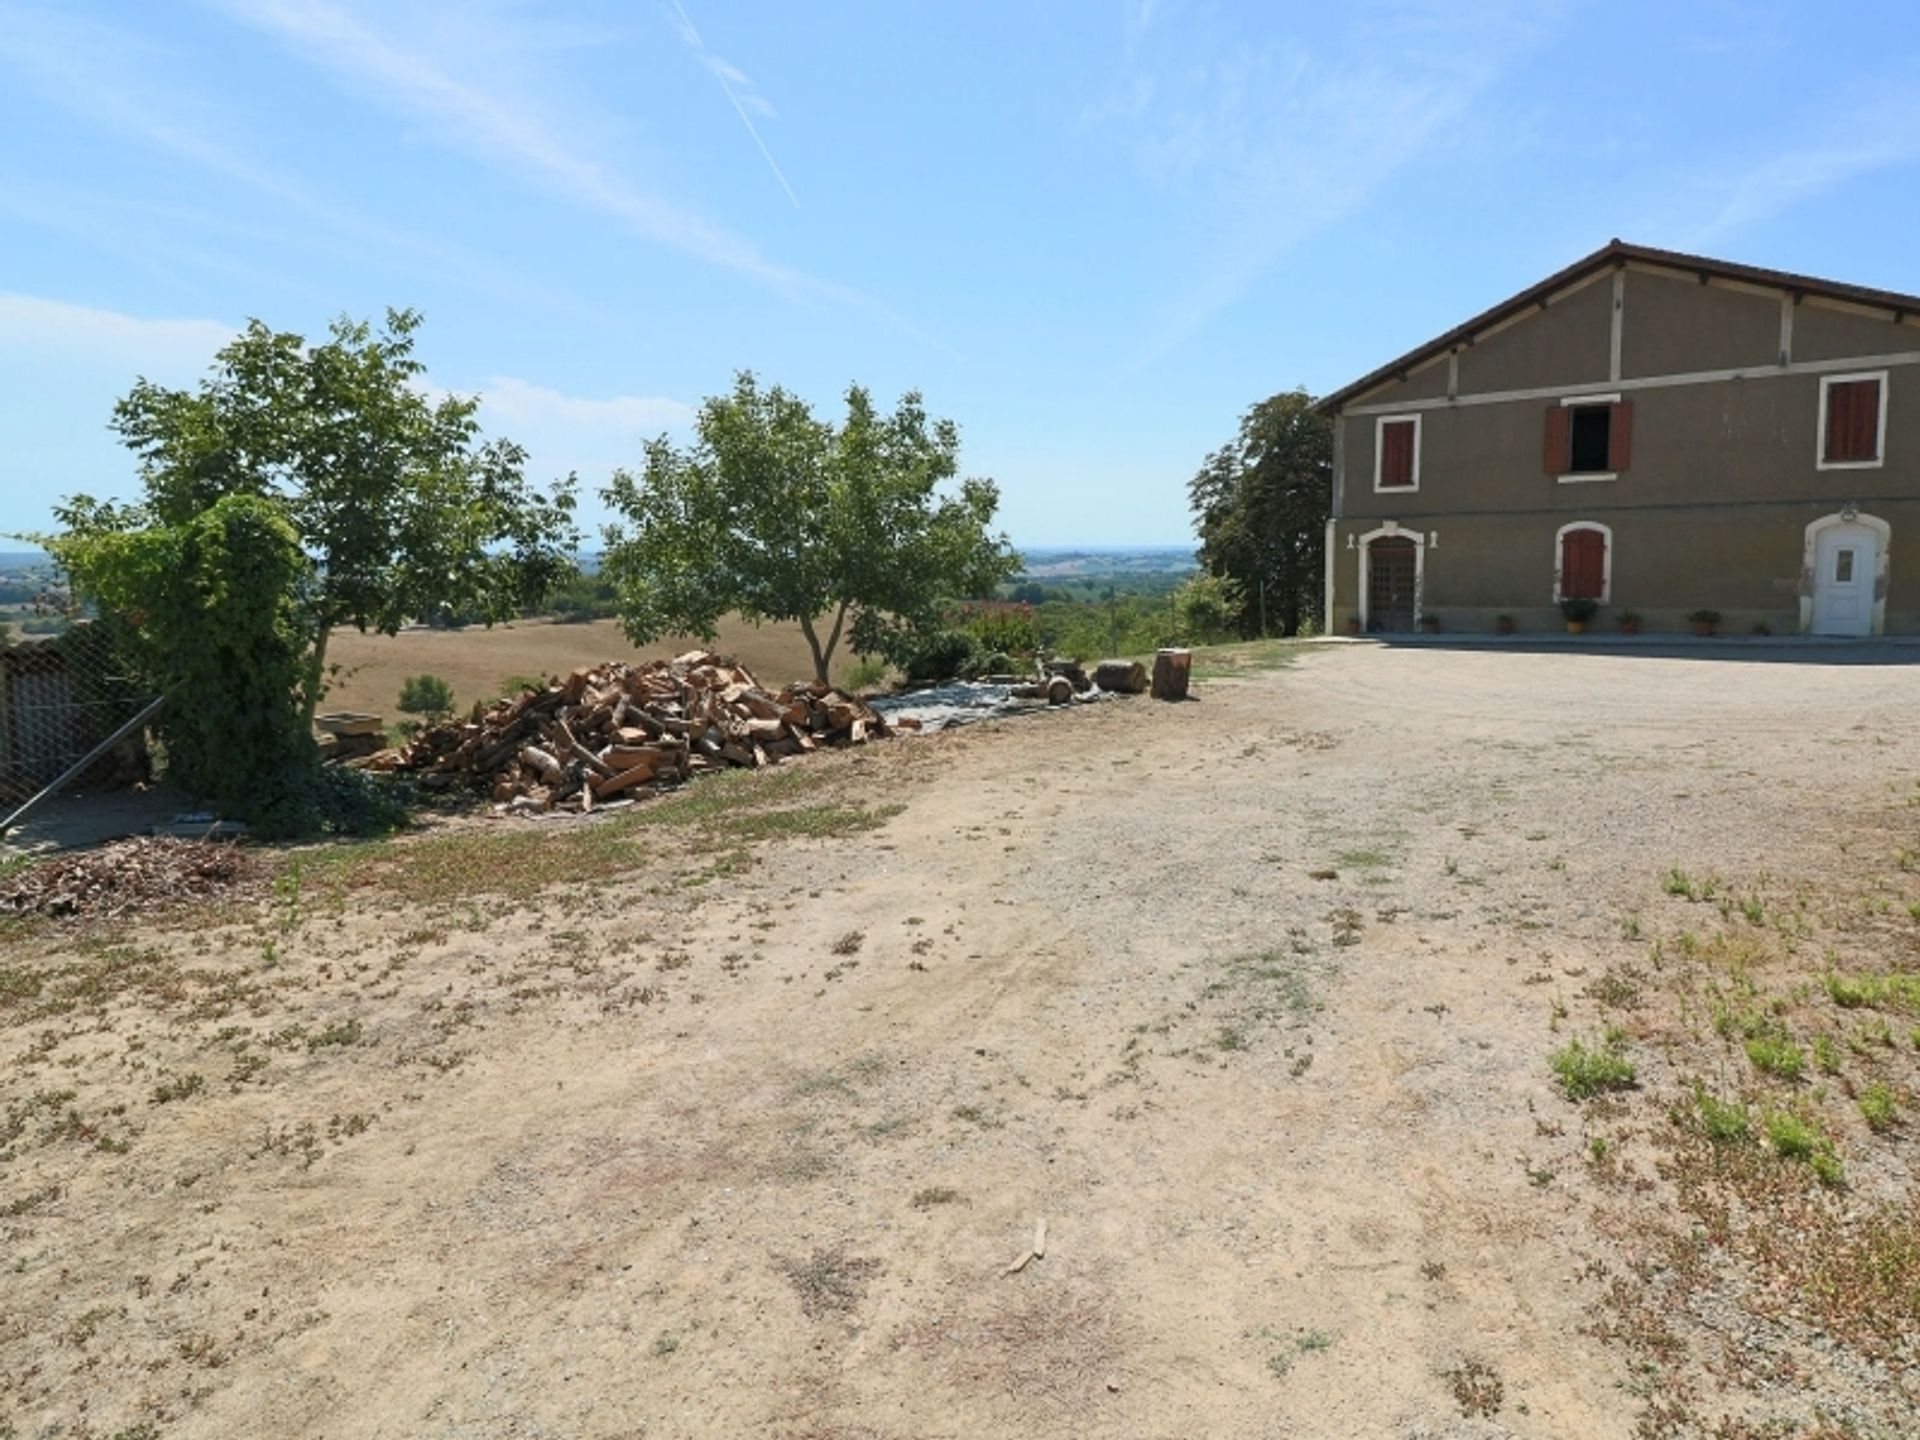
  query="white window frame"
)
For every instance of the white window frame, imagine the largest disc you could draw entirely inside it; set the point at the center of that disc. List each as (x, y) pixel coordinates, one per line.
(1379, 453)
(1606, 558)
(1571, 402)
(1880, 440)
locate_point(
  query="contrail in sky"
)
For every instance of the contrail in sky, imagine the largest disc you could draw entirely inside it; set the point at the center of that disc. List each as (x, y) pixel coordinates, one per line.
(725, 74)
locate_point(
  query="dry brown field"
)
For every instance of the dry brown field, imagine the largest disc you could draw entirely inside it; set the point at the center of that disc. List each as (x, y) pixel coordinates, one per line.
(738, 1114)
(476, 660)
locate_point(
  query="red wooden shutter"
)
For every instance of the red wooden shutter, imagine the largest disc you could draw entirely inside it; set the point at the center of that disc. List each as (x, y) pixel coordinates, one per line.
(1583, 561)
(1620, 436)
(1853, 420)
(1396, 454)
(1559, 439)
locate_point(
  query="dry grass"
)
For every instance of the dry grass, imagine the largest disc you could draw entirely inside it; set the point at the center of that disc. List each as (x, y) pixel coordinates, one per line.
(717, 816)
(1046, 1345)
(475, 660)
(1782, 1205)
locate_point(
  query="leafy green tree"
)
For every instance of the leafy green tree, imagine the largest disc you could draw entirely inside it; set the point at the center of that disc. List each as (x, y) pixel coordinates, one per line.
(771, 513)
(1208, 608)
(1260, 507)
(398, 504)
(427, 695)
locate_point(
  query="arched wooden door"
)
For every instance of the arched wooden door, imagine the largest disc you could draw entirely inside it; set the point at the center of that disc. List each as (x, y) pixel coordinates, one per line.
(1583, 564)
(1392, 572)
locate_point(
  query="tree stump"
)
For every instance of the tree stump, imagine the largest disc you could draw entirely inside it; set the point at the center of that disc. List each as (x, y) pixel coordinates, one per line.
(1170, 671)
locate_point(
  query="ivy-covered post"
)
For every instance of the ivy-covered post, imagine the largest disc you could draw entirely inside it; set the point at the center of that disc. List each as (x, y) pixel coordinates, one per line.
(211, 609)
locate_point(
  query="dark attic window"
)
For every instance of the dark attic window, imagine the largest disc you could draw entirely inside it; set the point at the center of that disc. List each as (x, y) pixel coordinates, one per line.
(1588, 450)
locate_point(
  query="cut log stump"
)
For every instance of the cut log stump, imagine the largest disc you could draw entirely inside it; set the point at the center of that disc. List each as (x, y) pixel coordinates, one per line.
(1170, 671)
(1122, 677)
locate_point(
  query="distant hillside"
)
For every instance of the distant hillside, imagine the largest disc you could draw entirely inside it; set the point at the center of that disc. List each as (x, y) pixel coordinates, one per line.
(1045, 562)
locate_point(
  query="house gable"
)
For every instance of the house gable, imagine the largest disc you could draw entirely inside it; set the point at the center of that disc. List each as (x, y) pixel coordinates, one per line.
(1832, 332)
(1563, 340)
(1676, 324)
(1453, 350)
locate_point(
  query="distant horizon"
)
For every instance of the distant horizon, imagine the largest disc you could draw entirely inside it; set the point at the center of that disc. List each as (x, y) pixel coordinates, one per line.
(1080, 547)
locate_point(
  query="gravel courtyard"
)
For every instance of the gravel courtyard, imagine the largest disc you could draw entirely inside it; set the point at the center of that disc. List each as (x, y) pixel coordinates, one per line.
(1250, 1000)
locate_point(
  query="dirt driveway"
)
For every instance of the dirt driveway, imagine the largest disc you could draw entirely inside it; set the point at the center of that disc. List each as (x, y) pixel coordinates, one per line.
(1249, 1000)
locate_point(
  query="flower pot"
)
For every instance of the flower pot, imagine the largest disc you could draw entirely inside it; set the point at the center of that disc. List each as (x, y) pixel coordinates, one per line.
(1629, 627)
(1576, 627)
(1503, 626)
(1429, 627)
(1702, 629)
(1353, 625)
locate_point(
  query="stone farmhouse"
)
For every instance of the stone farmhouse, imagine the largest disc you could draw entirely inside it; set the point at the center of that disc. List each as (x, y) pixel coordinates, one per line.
(1659, 433)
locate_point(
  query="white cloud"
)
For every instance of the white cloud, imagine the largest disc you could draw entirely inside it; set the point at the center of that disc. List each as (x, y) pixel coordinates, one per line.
(145, 91)
(1268, 142)
(507, 402)
(1878, 133)
(504, 129)
(31, 325)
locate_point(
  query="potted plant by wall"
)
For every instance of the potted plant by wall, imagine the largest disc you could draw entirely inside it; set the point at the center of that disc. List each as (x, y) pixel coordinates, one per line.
(1576, 613)
(1629, 623)
(1430, 623)
(1353, 624)
(1704, 621)
(1761, 627)
(1503, 624)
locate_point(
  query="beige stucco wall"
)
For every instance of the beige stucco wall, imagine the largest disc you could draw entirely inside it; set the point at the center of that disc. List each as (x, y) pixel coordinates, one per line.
(1672, 325)
(1734, 441)
(1568, 342)
(1743, 561)
(1821, 332)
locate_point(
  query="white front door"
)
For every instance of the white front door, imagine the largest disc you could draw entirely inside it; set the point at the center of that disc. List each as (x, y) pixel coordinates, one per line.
(1846, 558)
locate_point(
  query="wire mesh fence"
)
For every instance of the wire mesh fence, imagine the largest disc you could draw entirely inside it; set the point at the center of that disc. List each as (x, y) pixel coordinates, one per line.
(59, 698)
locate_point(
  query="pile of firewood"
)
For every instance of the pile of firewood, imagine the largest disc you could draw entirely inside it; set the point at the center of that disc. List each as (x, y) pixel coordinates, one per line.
(604, 732)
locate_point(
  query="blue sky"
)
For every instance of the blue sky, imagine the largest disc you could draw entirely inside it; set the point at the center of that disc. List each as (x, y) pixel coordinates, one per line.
(1092, 233)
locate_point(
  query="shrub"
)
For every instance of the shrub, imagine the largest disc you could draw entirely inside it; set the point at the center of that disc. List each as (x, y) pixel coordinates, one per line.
(1726, 1122)
(1000, 628)
(1773, 1053)
(1896, 990)
(581, 599)
(869, 672)
(940, 656)
(514, 686)
(998, 663)
(333, 800)
(1793, 1137)
(1585, 1070)
(1878, 1107)
(1208, 609)
(427, 695)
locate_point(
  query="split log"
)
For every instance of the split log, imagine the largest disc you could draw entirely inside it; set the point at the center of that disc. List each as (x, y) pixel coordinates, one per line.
(605, 789)
(547, 766)
(621, 758)
(1123, 677)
